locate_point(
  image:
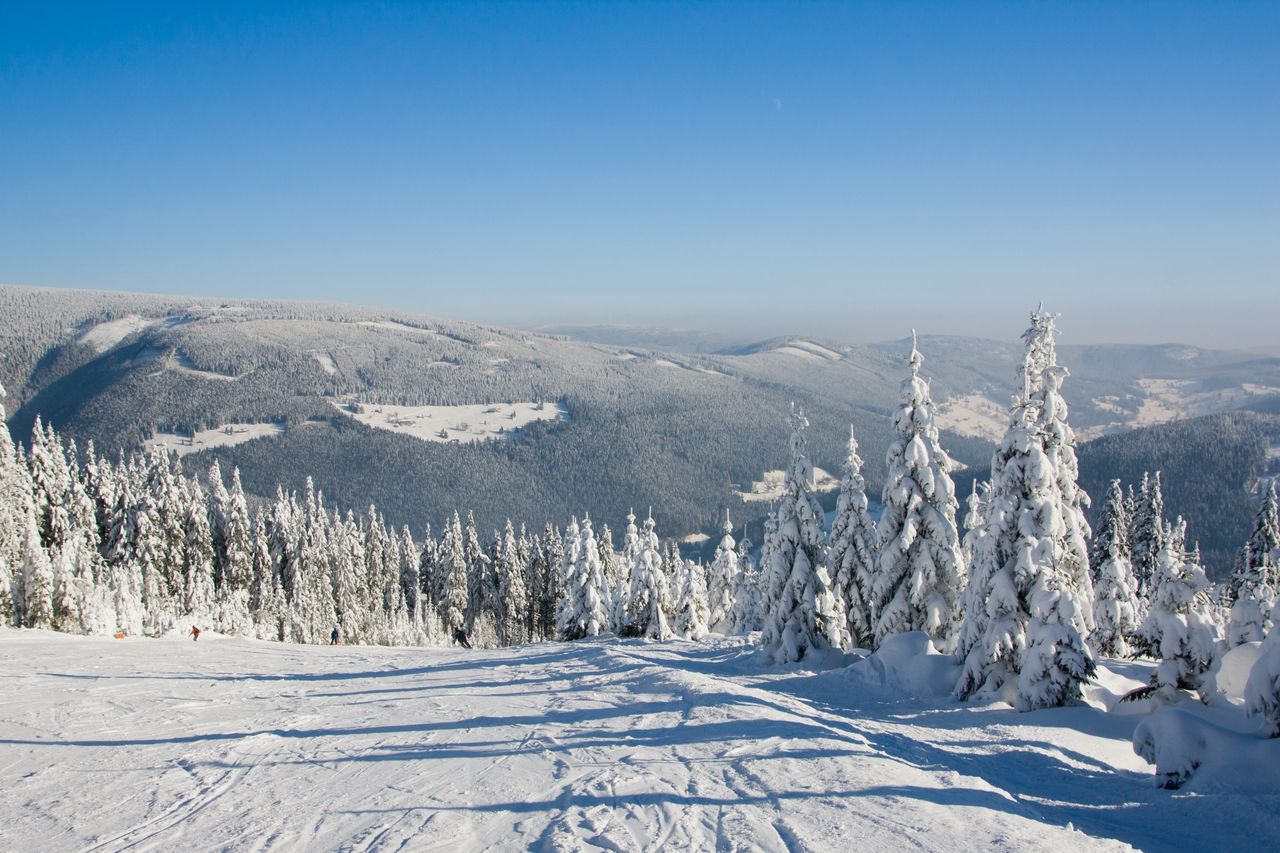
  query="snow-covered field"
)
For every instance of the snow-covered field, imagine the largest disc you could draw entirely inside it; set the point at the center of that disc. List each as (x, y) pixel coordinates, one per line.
(228, 435)
(482, 422)
(168, 744)
(772, 487)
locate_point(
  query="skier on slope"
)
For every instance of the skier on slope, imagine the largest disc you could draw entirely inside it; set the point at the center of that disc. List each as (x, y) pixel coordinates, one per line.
(333, 638)
(195, 633)
(460, 637)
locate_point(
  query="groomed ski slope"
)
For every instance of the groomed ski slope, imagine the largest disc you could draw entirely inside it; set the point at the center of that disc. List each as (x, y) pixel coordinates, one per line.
(169, 744)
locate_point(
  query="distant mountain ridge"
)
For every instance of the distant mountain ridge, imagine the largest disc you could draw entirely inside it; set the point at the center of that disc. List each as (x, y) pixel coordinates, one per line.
(681, 430)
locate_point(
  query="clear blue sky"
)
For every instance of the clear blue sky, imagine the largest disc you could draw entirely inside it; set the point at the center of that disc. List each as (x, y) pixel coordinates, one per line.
(843, 169)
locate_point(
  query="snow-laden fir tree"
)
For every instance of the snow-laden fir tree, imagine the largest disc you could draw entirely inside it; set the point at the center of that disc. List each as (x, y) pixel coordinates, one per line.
(1256, 582)
(919, 570)
(648, 594)
(622, 605)
(796, 583)
(583, 613)
(1115, 607)
(976, 506)
(723, 575)
(745, 614)
(453, 568)
(514, 595)
(1021, 637)
(1177, 630)
(1146, 533)
(852, 554)
(613, 568)
(692, 612)
(1060, 447)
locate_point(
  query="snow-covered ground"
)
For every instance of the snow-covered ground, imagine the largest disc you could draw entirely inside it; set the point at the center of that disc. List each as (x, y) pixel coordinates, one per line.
(481, 422)
(228, 435)
(168, 744)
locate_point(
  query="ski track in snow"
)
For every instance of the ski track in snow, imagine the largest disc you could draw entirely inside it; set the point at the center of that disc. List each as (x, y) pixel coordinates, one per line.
(618, 746)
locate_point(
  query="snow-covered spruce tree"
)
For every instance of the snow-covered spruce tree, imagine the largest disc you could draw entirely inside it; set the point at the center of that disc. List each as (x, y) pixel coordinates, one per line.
(919, 571)
(1257, 577)
(1060, 447)
(724, 571)
(514, 595)
(198, 558)
(1146, 534)
(692, 612)
(745, 615)
(647, 597)
(453, 568)
(552, 559)
(853, 556)
(1262, 690)
(613, 569)
(1021, 637)
(570, 545)
(976, 506)
(1115, 602)
(798, 582)
(1177, 630)
(583, 613)
(631, 547)
(350, 599)
(37, 578)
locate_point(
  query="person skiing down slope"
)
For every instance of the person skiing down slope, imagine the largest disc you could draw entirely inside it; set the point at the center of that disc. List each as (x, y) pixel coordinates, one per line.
(333, 638)
(460, 637)
(195, 633)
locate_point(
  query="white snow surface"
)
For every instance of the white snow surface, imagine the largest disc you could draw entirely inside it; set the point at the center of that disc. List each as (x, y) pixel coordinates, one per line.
(462, 424)
(227, 435)
(107, 334)
(603, 745)
(771, 488)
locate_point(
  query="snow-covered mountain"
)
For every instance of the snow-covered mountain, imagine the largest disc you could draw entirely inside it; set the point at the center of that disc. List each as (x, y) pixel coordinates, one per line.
(421, 415)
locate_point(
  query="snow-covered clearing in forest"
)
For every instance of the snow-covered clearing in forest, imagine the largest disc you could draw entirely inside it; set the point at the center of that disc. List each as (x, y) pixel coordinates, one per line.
(974, 415)
(107, 334)
(465, 423)
(168, 744)
(326, 362)
(228, 435)
(773, 485)
(810, 349)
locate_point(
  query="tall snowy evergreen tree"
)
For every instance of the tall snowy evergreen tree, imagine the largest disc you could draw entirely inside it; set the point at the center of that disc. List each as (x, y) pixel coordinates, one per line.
(1177, 630)
(648, 595)
(853, 555)
(1146, 533)
(453, 571)
(797, 579)
(1256, 582)
(691, 603)
(583, 612)
(919, 571)
(1022, 636)
(1115, 605)
(724, 571)
(514, 595)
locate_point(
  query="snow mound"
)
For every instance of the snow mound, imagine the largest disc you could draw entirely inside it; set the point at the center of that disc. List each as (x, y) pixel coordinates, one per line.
(1230, 673)
(907, 665)
(1189, 750)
